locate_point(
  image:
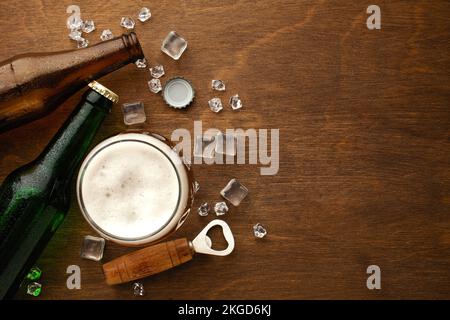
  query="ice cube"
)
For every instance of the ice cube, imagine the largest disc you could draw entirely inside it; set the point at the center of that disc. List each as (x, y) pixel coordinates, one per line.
(82, 43)
(127, 23)
(259, 231)
(218, 85)
(133, 113)
(75, 35)
(203, 210)
(74, 23)
(92, 248)
(215, 104)
(235, 102)
(157, 71)
(196, 186)
(144, 14)
(234, 192)
(34, 289)
(138, 289)
(88, 26)
(106, 35)
(34, 274)
(174, 45)
(220, 208)
(154, 85)
(141, 63)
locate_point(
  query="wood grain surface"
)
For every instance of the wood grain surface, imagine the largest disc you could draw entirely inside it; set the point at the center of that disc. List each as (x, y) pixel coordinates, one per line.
(364, 125)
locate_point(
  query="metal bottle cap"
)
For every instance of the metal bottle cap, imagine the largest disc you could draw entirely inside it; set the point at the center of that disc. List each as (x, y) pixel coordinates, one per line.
(104, 91)
(178, 92)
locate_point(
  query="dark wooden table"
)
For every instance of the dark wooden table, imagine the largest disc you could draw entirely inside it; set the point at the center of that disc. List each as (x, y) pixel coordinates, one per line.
(364, 121)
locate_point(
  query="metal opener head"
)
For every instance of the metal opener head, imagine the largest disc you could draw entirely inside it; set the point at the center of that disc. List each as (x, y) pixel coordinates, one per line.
(202, 243)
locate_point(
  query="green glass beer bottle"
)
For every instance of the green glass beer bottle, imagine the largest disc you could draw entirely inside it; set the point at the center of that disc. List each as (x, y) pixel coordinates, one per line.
(35, 197)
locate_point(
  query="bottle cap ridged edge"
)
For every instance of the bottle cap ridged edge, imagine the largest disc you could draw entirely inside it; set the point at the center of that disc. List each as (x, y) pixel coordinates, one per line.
(104, 91)
(187, 104)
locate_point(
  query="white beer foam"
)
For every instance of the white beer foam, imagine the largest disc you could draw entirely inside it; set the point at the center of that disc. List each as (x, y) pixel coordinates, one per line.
(130, 189)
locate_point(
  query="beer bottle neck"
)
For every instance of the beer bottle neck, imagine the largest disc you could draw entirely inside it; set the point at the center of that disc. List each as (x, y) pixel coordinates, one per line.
(33, 85)
(61, 156)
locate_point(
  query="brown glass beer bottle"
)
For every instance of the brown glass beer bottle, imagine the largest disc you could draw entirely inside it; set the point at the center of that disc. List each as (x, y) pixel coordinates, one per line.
(33, 85)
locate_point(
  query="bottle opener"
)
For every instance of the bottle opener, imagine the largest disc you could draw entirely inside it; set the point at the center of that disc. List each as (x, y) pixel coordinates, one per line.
(163, 256)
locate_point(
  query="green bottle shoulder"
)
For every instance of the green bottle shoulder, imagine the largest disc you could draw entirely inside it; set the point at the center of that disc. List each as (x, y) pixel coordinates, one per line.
(30, 181)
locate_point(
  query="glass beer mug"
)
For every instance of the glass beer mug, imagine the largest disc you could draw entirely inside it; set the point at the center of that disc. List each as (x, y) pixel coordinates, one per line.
(134, 189)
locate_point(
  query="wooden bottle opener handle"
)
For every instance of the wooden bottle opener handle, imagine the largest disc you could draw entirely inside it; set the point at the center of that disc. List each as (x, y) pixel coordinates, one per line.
(148, 261)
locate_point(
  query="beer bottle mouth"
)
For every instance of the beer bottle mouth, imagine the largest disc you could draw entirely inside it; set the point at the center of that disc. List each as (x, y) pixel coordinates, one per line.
(104, 91)
(133, 46)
